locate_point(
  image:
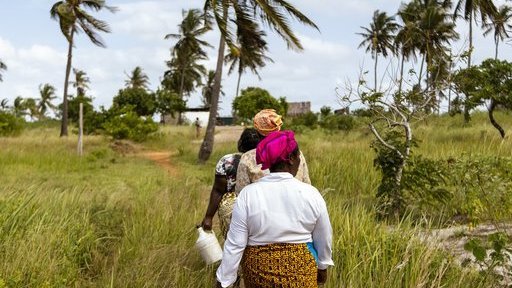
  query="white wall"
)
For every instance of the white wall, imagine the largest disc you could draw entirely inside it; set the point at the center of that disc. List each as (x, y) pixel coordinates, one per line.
(190, 117)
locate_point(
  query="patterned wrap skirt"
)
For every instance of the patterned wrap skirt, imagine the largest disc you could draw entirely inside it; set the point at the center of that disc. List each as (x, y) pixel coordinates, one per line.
(279, 265)
(225, 211)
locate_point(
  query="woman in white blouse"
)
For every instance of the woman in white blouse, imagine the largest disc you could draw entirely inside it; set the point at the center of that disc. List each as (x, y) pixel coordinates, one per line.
(280, 231)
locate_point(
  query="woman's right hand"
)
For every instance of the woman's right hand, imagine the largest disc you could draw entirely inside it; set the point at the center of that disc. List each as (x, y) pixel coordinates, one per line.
(207, 223)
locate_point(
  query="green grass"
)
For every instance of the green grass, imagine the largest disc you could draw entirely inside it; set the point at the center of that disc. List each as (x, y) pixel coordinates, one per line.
(108, 220)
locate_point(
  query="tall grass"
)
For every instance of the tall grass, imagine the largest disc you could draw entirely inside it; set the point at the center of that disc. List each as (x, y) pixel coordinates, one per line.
(108, 220)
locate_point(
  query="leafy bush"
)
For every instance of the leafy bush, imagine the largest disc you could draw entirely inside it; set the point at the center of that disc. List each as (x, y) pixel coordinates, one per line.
(10, 125)
(338, 122)
(128, 125)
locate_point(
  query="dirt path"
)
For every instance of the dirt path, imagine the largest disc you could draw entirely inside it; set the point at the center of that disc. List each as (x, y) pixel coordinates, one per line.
(162, 159)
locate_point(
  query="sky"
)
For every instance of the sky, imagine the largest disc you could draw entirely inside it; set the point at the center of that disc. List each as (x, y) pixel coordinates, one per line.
(35, 51)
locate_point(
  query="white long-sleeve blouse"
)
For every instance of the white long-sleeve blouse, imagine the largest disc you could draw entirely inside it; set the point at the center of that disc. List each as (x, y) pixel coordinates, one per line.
(276, 209)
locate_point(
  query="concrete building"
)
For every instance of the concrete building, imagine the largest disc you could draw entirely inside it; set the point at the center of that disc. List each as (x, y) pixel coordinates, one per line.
(298, 108)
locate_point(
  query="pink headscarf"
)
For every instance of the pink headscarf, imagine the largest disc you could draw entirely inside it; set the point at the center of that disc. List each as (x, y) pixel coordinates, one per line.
(275, 148)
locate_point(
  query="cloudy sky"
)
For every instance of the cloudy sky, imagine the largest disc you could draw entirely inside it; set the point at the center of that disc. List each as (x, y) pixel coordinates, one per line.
(34, 49)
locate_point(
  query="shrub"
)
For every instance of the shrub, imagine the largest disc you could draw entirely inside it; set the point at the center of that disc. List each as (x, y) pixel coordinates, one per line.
(338, 122)
(126, 124)
(10, 125)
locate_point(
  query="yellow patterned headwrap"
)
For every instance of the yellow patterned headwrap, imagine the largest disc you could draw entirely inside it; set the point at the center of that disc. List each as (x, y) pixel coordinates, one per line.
(266, 121)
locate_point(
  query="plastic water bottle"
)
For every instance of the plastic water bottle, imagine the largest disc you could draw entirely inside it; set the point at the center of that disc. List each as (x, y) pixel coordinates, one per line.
(208, 246)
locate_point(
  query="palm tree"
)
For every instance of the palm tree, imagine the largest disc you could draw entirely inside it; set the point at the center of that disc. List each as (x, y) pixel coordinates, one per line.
(137, 79)
(47, 94)
(208, 89)
(437, 32)
(4, 104)
(73, 19)
(31, 105)
(271, 13)
(189, 48)
(408, 37)
(469, 9)
(18, 107)
(499, 25)
(379, 38)
(250, 52)
(2, 67)
(81, 82)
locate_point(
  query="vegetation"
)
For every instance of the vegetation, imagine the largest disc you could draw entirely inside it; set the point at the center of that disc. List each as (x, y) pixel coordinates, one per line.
(2, 67)
(72, 19)
(253, 99)
(122, 221)
(244, 18)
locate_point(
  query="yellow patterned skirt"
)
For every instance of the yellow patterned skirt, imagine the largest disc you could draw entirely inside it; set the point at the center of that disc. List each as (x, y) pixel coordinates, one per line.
(279, 265)
(225, 210)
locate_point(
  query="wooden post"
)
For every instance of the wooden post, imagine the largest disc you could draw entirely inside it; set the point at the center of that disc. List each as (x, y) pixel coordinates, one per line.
(80, 130)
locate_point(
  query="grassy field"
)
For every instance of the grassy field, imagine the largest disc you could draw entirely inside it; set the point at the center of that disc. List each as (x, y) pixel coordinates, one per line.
(114, 218)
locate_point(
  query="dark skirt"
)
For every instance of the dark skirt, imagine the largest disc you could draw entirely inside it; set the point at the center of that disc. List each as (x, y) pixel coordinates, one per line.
(279, 265)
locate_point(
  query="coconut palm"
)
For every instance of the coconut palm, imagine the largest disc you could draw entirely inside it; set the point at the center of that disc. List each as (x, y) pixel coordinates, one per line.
(379, 37)
(73, 19)
(137, 79)
(81, 82)
(47, 95)
(250, 52)
(189, 48)
(274, 14)
(185, 73)
(2, 67)
(408, 36)
(500, 25)
(17, 107)
(4, 104)
(469, 10)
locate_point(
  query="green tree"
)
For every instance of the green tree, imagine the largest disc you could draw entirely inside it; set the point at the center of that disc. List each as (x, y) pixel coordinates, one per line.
(469, 10)
(18, 107)
(491, 81)
(271, 13)
(73, 18)
(142, 101)
(250, 52)
(379, 38)
(2, 67)
(81, 83)
(168, 103)
(30, 106)
(47, 95)
(137, 79)
(187, 52)
(499, 24)
(252, 100)
(208, 89)
(4, 104)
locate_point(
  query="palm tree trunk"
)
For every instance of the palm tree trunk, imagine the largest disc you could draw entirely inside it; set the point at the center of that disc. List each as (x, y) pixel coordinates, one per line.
(421, 70)
(401, 76)
(466, 105)
(238, 84)
(497, 44)
(375, 69)
(64, 123)
(182, 85)
(207, 146)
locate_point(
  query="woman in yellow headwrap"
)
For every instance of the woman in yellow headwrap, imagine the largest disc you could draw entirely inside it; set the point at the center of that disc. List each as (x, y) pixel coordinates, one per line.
(266, 121)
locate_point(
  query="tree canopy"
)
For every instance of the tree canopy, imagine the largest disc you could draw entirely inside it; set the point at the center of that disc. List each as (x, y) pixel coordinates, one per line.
(254, 99)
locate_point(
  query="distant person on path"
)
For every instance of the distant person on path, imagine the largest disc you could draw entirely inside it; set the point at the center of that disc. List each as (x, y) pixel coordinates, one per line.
(280, 229)
(197, 123)
(223, 197)
(266, 121)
